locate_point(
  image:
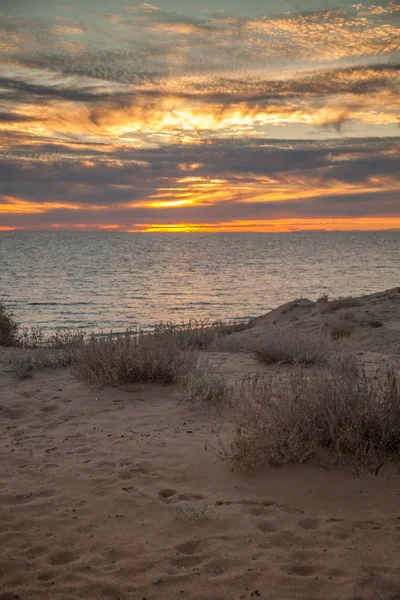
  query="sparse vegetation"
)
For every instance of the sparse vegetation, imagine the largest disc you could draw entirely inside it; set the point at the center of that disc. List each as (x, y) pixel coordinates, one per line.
(341, 328)
(287, 346)
(114, 361)
(23, 366)
(201, 385)
(302, 415)
(25, 361)
(328, 306)
(322, 299)
(62, 339)
(8, 328)
(199, 334)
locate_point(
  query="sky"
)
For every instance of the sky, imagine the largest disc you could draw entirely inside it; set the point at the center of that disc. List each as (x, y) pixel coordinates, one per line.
(185, 115)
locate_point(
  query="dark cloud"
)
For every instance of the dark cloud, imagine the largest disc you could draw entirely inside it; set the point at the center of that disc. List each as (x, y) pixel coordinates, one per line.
(13, 90)
(9, 117)
(134, 176)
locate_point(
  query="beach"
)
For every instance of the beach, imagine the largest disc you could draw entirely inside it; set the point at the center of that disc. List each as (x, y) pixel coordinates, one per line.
(120, 492)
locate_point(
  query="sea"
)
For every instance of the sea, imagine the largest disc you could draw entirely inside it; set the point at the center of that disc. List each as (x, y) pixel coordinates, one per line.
(102, 281)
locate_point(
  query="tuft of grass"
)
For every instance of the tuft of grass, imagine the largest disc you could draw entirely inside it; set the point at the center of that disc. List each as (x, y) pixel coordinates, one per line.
(126, 359)
(202, 385)
(322, 299)
(329, 306)
(26, 361)
(286, 346)
(23, 366)
(8, 328)
(302, 415)
(341, 328)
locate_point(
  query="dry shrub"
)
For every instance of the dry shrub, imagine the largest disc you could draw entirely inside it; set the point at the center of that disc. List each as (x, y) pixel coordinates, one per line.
(286, 346)
(8, 328)
(199, 334)
(303, 415)
(341, 328)
(242, 341)
(22, 366)
(328, 306)
(143, 358)
(62, 339)
(25, 361)
(202, 385)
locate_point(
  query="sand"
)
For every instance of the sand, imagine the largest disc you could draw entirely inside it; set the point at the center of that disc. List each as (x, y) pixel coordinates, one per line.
(111, 494)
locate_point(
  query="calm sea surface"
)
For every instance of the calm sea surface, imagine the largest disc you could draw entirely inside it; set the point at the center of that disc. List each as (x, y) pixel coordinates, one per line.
(103, 281)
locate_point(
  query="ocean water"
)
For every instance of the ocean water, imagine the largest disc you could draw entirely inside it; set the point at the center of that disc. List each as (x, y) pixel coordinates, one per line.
(103, 281)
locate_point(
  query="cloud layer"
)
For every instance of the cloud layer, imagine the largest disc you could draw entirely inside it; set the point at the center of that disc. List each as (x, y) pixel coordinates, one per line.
(147, 119)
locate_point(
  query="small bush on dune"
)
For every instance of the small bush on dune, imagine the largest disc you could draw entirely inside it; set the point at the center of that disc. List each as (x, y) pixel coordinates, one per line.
(341, 328)
(202, 385)
(298, 416)
(286, 346)
(8, 328)
(143, 358)
(328, 306)
(242, 341)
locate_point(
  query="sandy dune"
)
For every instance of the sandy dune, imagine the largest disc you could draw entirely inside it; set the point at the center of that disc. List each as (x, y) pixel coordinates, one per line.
(111, 494)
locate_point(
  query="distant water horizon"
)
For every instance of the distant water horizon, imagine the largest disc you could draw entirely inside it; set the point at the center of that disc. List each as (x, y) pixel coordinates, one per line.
(101, 281)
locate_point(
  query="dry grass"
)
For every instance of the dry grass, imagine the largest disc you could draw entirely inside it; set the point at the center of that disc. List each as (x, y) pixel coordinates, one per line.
(304, 415)
(328, 306)
(62, 339)
(202, 385)
(199, 334)
(115, 361)
(286, 346)
(26, 361)
(8, 328)
(341, 328)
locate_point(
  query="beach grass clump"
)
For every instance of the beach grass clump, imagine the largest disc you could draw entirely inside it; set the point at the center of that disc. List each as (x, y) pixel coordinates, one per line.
(25, 362)
(337, 414)
(287, 346)
(329, 306)
(61, 339)
(199, 333)
(202, 385)
(117, 360)
(9, 335)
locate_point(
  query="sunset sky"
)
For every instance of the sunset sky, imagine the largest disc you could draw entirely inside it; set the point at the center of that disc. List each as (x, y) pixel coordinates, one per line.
(187, 116)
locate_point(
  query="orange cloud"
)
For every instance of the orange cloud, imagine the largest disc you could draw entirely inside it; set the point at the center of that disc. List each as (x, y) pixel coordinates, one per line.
(13, 205)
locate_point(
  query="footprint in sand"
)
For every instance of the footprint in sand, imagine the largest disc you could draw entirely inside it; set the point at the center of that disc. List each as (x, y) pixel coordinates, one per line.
(300, 570)
(166, 493)
(62, 557)
(186, 561)
(308, 523)
(190, 547)
(171, 495)
(267, 526)
(49, 408)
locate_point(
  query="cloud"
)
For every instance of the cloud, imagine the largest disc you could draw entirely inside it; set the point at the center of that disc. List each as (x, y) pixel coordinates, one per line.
(151, 116)
(9, 117)
(275, 181)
